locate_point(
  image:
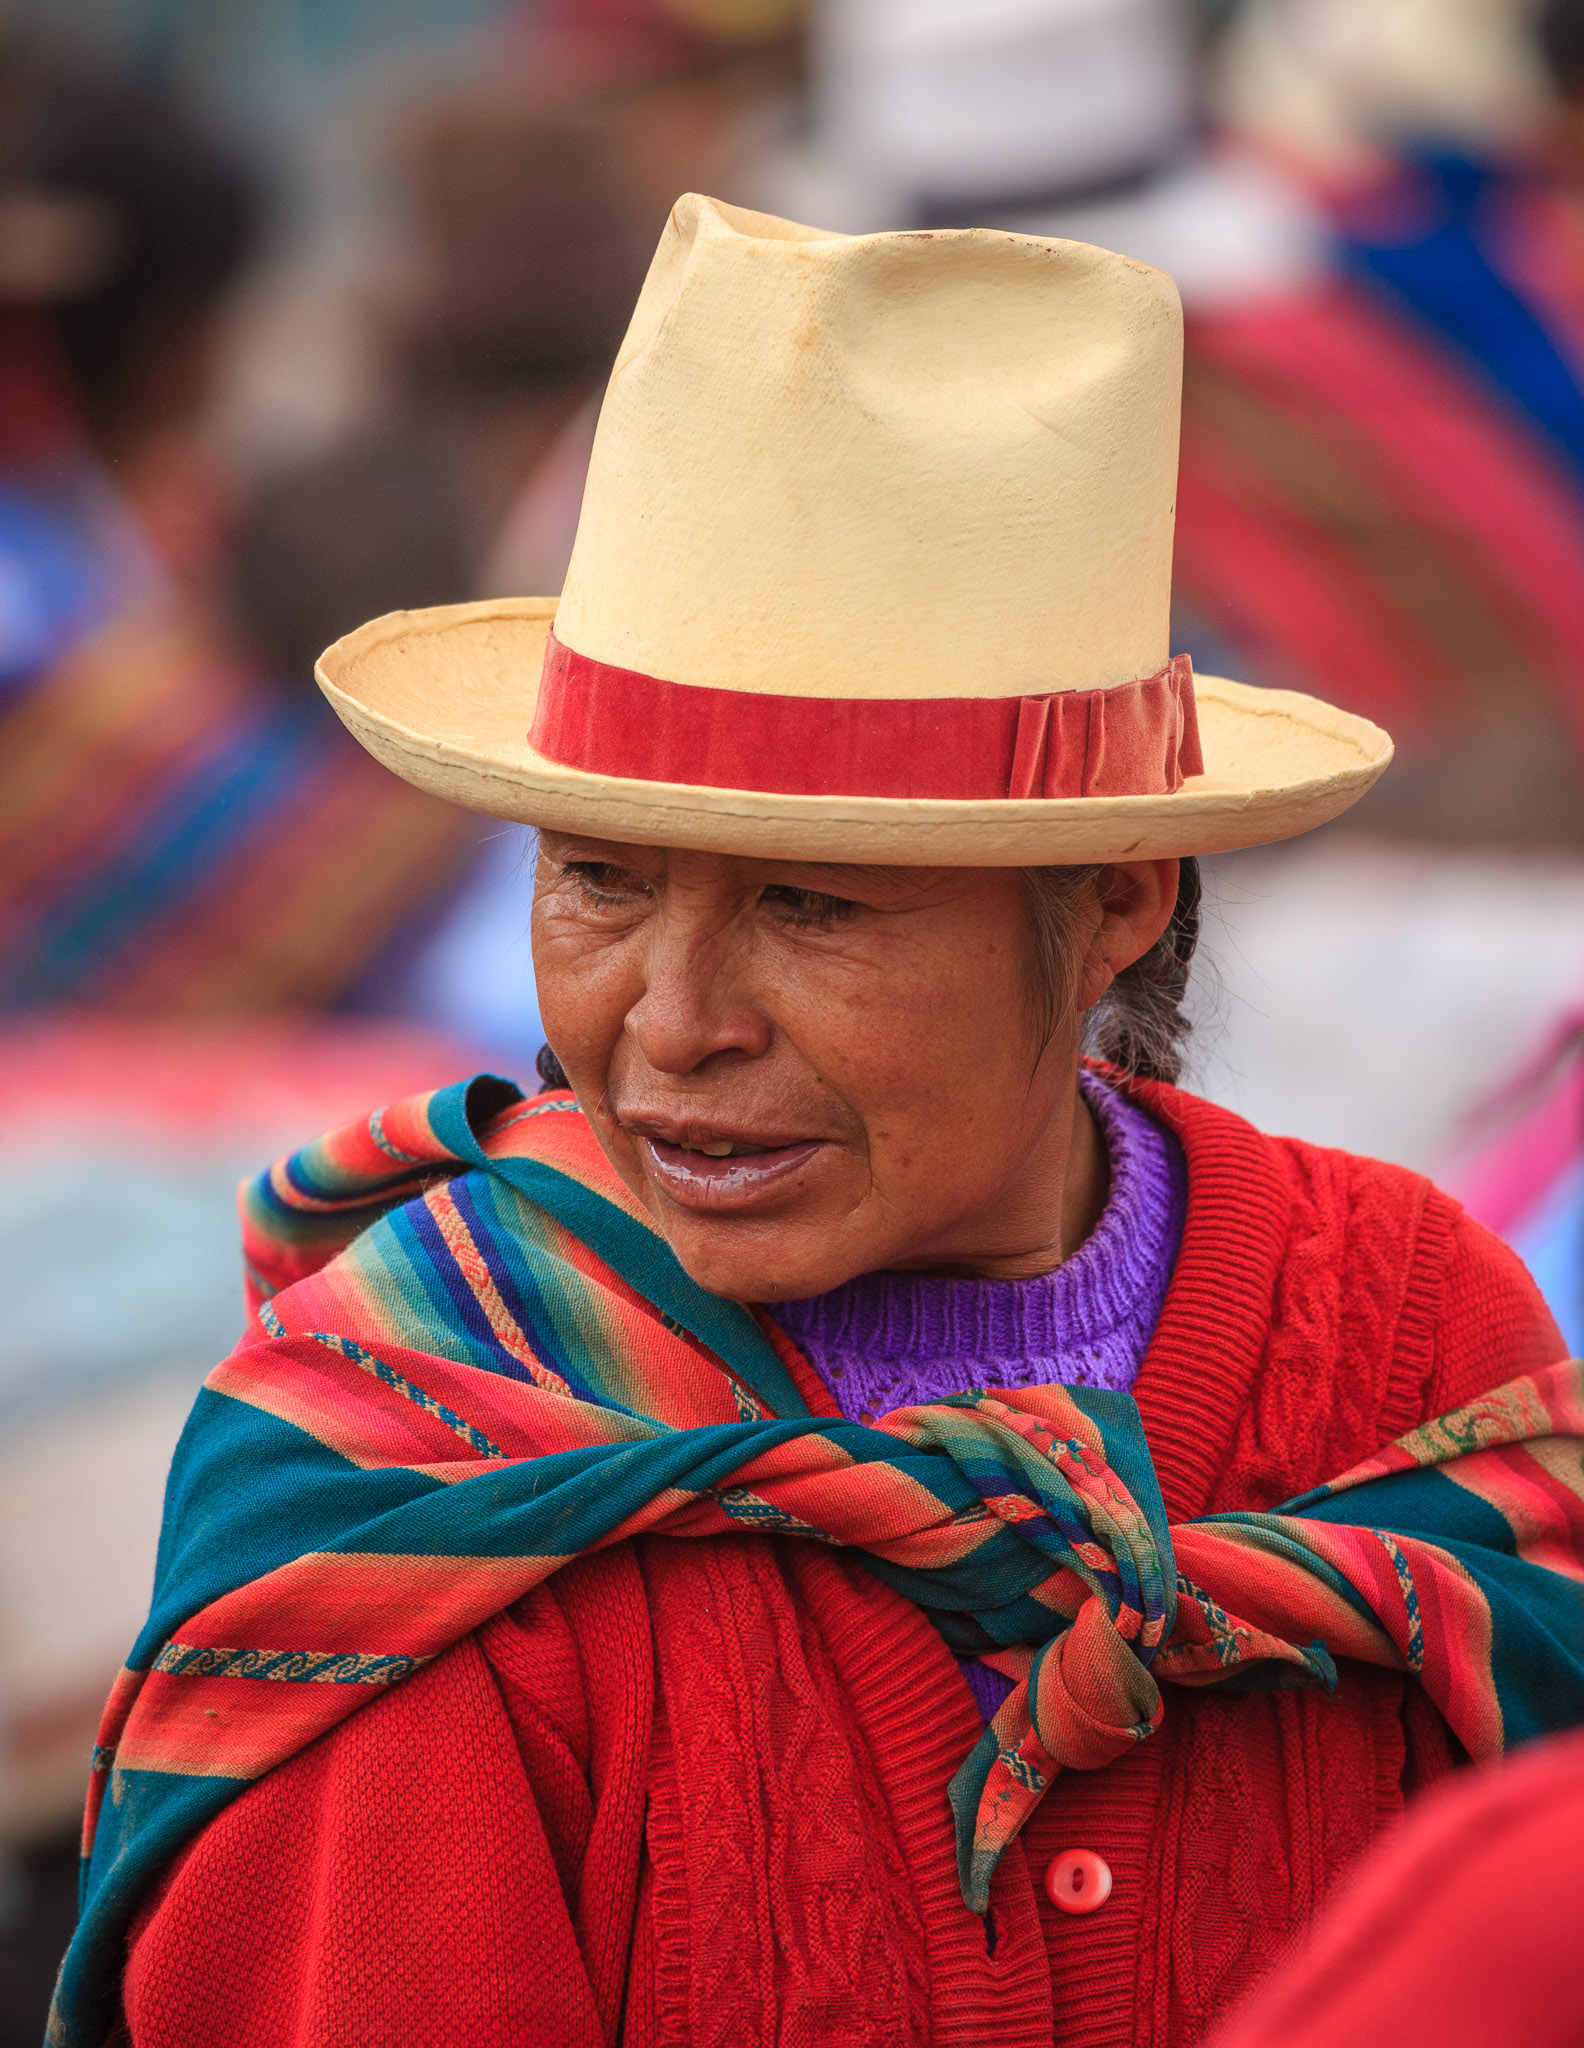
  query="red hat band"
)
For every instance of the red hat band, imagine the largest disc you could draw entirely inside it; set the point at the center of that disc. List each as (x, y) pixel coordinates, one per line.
(1133, 739)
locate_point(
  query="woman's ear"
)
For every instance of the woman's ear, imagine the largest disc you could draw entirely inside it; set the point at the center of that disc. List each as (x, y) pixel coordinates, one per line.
(1136, 899)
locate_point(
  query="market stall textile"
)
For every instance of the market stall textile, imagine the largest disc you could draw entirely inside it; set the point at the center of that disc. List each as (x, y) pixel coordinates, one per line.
(1358, 516)
(180, 835)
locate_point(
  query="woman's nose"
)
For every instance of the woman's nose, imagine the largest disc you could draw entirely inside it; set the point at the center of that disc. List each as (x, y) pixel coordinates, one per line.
(694, 1007)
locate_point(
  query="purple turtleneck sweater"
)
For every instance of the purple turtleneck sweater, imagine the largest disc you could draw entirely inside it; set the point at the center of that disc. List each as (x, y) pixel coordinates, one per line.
(887, 1340)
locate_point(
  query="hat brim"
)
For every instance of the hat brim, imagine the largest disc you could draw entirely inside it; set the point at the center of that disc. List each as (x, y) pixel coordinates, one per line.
(445, 697)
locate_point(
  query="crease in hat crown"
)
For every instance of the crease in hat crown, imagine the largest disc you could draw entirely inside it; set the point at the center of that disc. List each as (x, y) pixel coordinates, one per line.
(894, 465)
(874, 564)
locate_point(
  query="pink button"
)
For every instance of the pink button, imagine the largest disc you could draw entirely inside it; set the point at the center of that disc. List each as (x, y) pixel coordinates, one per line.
(1078, 1881)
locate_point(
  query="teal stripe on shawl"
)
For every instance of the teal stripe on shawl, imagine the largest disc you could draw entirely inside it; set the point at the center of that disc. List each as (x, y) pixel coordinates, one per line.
(1534, 1614)
(641, 1257)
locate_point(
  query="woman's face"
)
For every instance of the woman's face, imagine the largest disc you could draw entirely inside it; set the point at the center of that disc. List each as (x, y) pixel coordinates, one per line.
(806, 1072)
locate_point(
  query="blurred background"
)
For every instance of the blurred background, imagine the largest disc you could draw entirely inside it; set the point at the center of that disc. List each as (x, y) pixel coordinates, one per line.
(305, 312)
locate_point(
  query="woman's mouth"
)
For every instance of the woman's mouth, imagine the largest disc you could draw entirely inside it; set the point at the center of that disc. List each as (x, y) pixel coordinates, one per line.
(723, 1173)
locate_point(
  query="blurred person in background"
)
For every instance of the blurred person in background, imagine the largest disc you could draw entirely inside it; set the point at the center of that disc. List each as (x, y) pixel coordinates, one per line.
(523, 251)
(1419, 557)
(192, 855)
(1442, 138)
(675, 96)
(182, 831)
(1482, 247)
(1362, 510)
(528, 196)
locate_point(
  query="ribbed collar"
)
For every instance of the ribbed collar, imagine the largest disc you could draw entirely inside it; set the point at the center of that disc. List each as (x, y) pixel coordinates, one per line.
(885, 1339)
(1197, 1379)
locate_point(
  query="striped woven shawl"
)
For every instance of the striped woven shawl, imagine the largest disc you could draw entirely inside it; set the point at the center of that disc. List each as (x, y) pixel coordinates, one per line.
(475, 1360)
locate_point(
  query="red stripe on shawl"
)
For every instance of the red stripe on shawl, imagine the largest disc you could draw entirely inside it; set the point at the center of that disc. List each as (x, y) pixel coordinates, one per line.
(229, 1727)
(876, 1507)
(1546, 1517)
(371, 1423)
(1456, 1669)
(1454, 1622)
(370, 1604)
(369, 1434)
(1275, 1597)
(363, 1432)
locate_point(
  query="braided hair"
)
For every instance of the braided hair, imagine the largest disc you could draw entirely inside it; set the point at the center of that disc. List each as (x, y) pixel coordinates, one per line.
(1559, 30)
(1138, 1024)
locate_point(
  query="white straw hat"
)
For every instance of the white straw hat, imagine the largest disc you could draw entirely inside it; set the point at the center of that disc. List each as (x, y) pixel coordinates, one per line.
(874, 565)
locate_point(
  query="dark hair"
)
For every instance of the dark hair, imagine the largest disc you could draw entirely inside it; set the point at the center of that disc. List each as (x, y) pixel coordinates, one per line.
(183, 207)
(530, 252)
(1560, 31)
(1138, 1024)
(376, 525)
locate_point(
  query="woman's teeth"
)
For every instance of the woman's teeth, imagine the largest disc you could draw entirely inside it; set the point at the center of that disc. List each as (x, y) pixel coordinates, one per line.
(725, 1174)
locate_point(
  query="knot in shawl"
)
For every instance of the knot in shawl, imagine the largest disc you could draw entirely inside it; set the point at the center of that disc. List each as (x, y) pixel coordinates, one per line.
(486, 1363)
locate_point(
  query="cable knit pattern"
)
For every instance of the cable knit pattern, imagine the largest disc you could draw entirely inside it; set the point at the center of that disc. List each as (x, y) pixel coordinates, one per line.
(888, 1339)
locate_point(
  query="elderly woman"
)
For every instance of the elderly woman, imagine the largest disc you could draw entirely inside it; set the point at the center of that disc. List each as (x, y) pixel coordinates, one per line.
(717, 1551)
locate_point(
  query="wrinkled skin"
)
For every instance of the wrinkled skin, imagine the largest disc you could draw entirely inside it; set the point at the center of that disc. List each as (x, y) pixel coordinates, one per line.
(867, 1031)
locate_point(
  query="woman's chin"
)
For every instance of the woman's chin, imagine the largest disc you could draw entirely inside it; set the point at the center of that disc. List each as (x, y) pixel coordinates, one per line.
(751, 1261)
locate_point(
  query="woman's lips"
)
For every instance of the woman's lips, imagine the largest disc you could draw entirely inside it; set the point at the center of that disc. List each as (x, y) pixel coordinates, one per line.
(699, 1181)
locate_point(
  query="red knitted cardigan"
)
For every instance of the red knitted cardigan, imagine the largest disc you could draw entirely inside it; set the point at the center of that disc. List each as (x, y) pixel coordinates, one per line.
(566, 1833)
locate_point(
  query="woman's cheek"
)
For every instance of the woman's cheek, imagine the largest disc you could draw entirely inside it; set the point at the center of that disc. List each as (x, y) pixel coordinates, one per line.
(581, 983)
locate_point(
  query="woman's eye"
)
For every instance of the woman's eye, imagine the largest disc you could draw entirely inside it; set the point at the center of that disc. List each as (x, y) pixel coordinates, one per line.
(603, 883)
(806, 908)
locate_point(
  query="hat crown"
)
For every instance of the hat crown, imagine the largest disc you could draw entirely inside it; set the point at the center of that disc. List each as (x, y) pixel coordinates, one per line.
(903, 465)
